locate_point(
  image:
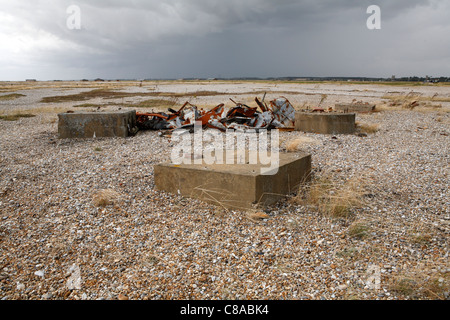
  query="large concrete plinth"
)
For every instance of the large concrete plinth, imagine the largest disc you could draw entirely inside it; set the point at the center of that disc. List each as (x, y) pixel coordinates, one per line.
(354, 107)
(325, 123)
(96, 124)
(238, 186)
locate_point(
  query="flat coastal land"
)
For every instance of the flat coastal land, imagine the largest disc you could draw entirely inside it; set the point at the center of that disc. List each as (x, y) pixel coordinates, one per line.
(82, 219)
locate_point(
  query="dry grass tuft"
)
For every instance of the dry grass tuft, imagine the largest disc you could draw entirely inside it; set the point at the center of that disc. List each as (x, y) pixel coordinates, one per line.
(420, 234)
(219, 212)
(322, 99)
(348, 252)
(358, 230)
(105, 197)
(331, 198)
(404, 286)
(422, 282)
(367, 128)
(256, 216)
(421, 238)
(294, 144)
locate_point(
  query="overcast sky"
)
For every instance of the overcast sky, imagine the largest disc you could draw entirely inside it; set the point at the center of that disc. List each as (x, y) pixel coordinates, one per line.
(139, 39)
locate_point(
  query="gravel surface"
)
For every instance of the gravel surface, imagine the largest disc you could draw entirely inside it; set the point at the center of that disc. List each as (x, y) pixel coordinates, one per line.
(58, 242)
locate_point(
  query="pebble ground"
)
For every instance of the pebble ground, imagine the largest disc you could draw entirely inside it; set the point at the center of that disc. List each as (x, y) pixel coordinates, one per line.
(56, 242)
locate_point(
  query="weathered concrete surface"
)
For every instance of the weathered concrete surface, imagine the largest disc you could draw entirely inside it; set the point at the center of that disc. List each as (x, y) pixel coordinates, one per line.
(354, 107)
(96, 124)
(238, 186)
(325, 123)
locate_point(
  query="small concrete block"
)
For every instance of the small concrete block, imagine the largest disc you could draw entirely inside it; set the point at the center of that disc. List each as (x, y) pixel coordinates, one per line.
(325, 122)
(354, 107)
(235, 186)
(96, 124)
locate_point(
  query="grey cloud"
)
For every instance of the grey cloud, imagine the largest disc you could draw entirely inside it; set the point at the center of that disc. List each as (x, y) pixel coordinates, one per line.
(183, 38)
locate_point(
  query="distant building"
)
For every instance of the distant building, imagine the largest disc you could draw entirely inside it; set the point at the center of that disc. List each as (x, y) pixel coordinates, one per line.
(30, 80)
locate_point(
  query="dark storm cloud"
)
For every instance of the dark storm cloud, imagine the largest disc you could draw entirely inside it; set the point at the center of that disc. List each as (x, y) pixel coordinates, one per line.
(194, 38)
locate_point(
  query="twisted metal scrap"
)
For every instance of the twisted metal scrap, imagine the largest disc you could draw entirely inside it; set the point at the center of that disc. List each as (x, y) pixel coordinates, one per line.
(279, 114)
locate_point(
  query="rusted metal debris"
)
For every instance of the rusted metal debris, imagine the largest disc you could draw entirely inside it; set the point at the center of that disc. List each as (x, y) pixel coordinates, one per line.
(278, 114)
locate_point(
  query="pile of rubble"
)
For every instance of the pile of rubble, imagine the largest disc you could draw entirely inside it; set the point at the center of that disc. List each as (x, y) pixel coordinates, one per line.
(278, 114)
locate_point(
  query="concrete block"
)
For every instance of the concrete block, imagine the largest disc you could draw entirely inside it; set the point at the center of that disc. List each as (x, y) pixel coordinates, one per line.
(96, 124)
(325, 122)
(354, 107)
(238, 186)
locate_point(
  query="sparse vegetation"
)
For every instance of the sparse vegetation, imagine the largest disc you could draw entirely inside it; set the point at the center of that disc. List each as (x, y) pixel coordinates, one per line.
(154, 104)
(97, 93)
(91, 105)
(46, 109)
(16, 116)
(358, 230)
(322, 99)
(367, 128)
(105, 197)
(404, 286)
(422, 283)
(421, 238)
(146, 104)
(414, 100)
(256, 215)
(348, 252)
(331, 198)
(108, 94)
(11, 96)
(294, 144)
(421, 235)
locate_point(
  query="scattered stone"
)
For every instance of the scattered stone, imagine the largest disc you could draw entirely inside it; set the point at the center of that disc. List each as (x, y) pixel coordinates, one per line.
(47, 296)
(20, 287)
(122, 297)
(361, 134)
(39, 273)
(74, 280)
(257, 215)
